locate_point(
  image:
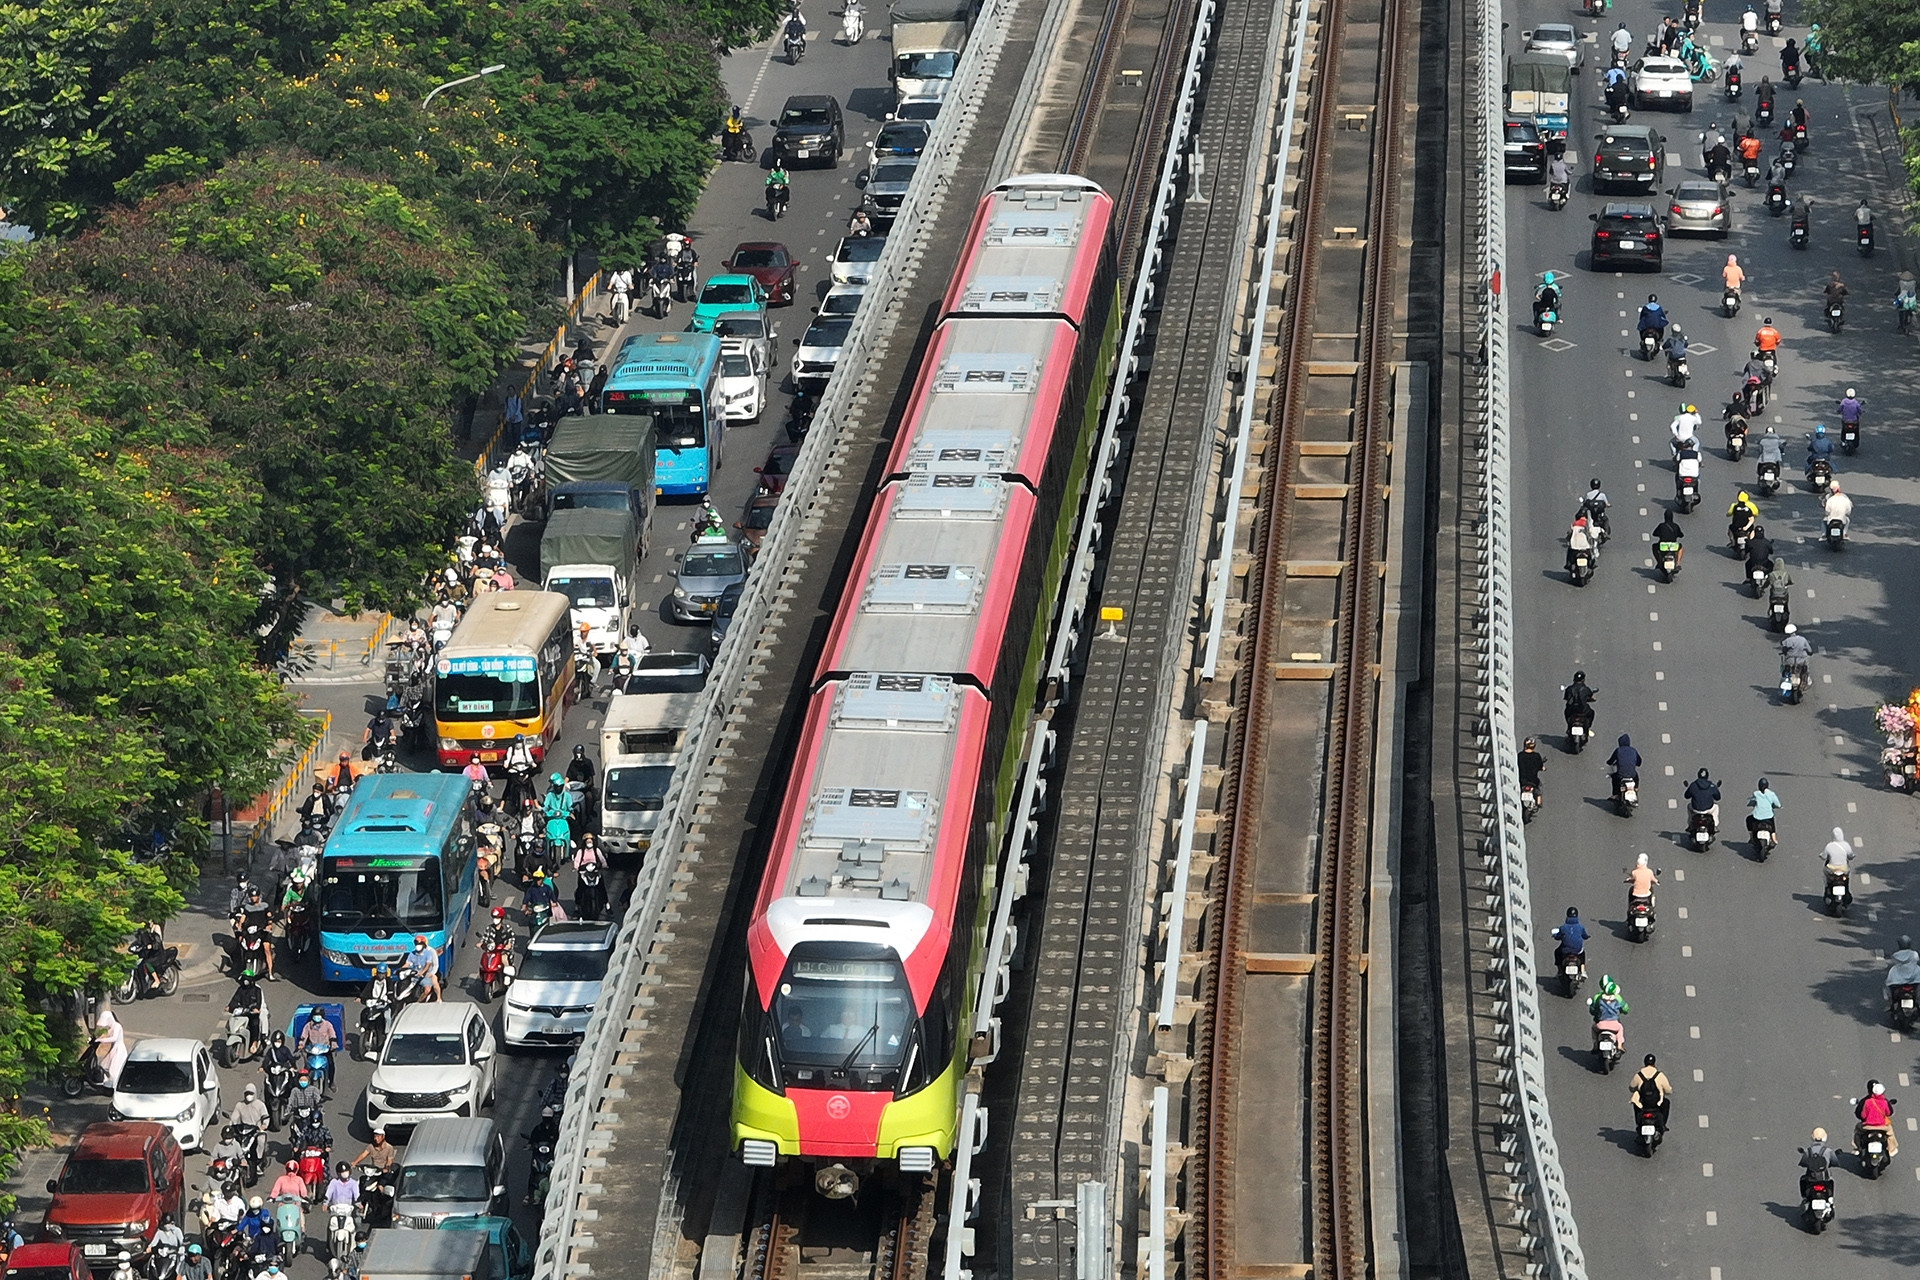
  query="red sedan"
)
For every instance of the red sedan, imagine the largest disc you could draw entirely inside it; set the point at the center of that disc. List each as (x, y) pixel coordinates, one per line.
(770, 264)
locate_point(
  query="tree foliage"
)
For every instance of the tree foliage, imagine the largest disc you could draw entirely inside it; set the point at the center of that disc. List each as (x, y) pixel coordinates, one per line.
(1873, 43)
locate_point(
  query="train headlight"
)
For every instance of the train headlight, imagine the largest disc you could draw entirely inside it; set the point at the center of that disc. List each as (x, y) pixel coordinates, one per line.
(916, 1159)
(758, 1154)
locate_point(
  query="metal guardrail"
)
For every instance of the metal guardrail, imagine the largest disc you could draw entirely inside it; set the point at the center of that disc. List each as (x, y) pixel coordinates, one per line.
(586, 1130)
(496, 447)
(289, 782)
(1176, 896)
(1536, 1170)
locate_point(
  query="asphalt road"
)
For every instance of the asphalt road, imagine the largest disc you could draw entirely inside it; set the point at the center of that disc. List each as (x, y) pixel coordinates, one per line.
(1765, 1012)
(731, 211)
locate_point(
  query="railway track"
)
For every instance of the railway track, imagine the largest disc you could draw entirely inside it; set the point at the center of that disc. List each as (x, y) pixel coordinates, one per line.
(1321, 518)
(796, 1235)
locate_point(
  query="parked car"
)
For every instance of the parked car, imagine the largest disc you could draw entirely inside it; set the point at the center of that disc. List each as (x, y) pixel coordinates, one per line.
(668, 672)
(842, 300)
(1701, 205)
(897, 139)
(171, 1081)
(756, 520)
(1626, 233)
(118, 1180)
(558, 984)
(774, 471)
(887, 187)
(743, 383)
(437, 1061)
(809, 128)
(1631, 156)
(853, 261)
(705, 570)
(1662, 82)
(770, 263)
(1526, 151)
(1556, 38)
(818, 353)
(724, 294)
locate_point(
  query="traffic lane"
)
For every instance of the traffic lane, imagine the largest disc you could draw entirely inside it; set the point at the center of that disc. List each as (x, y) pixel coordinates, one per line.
(1611, 628)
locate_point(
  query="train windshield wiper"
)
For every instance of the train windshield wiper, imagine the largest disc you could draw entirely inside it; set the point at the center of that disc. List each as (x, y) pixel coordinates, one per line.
(865, 1040)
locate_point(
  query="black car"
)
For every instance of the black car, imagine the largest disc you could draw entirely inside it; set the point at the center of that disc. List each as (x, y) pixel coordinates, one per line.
(809, 128)
(1626, 233)
(1526, 151)
(1630, 156)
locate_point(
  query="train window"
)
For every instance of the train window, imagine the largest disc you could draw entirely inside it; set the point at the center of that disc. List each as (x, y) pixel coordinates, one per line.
(844, 1022)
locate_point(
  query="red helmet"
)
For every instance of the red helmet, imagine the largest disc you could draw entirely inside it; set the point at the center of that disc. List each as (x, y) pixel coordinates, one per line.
(499, 913)
(293, 1166)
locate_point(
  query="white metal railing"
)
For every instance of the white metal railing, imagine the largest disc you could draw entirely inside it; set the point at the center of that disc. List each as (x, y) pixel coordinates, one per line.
(1176, 908)
(1539, 1176)
(586, 1130)
(1157, 1189)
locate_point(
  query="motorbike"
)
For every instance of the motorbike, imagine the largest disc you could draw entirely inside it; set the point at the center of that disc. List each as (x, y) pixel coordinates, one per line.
(1667, 555)
(496, 969)
(1750, 170)
(1850, 436)
(540, 1173)
(777, 197)
(1816, 1201)
(342, 1234)
(1733, 85)
(313, 1152)
(375, 1017)
(590, 895)
(1678, 371)
(1730, 303)
(1776, 198)
(1777, 611)
(1903, 1004)
(661, 289)
(1836, 533)
(736, 146)
(1820, 475)
(376, 1197)
(1793, 682)
(1800, 138)
(1763, 839)
(1768, 478)
(1789, 160)
(300, 933)
(83, 1073)
(1545, 318)
(1580, 568)
(796, 48)
(279, 1089)
(1736, 438)
(1574, 970)
(1640, 919)
(1905, 304)
(320, 1067)
(1738, 538)
(1839, 895)
(1763, 113)
(248, 961)
(1556, 195)
(1701, 829)
(239, 1038)
(1749, 43)
(290, 1216)
(1863, 238)
(1646, 1123)
(1686, 491)
(853, 24)
(1626, 798)
(1874, 1157)
(1606, 1046)
(155, 972)
(1799, 235)
(1529, 802)
(1649, 343)
(1773, 21)
(1836, 314)
(684, 281)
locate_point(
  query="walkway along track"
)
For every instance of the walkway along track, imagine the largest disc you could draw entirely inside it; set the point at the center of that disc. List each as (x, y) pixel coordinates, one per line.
(1321, 524)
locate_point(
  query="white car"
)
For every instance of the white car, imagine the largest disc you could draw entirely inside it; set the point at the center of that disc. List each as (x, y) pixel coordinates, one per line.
(1662, 82)
(558, 983)
(843, 300)
(819, 353)
(743, 381)
(854, 260)
(438, 1061)
(171, 1081)
(1557, 38)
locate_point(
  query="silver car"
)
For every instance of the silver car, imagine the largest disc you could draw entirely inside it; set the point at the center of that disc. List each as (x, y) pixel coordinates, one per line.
(1699, 205)
(1556, 38)
(853, 261)
(843, 300)
(706, 569)
(887, 186)
(819, 353)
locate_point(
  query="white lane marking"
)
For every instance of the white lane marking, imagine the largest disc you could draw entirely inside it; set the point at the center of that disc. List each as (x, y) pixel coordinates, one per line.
(1670, 803)
(1713, 1219)
(1663, 706)
(1852, 807)
(1706, 1171)
(1698, 1075)
(1679, 873)
(1690, 992)
(1683, 913)
(1686, 951)
(1656, 646)
(1703, 1122)
(1904, 1079)
(1651, 617)
(1693, 1032)
(1659, 675)
(1666, 738)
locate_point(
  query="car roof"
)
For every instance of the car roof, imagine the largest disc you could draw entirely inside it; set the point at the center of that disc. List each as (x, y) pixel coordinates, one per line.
(734, 278)
(573, 935)
(1656, 62)
(1553, 31)
(119, 1139)
(41, 1253)
(761, 244)
(163, 1049)
(1629, 133)
(441, 1015)
(808, 101)
(671, 662)
(1626, 209)
(449, 1140)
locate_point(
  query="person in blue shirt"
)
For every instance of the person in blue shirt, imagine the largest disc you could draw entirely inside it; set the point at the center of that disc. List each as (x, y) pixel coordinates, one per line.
(1764, 804)
(1625, 762)
(1819, 445)
(1653, 316)
(1573, 938)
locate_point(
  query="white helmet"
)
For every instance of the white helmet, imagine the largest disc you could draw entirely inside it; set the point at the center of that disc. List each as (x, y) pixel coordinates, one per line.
(1640, 861)
(1792, 629)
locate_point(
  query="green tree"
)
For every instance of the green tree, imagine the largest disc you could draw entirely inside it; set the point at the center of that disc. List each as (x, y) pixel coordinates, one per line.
(1868, 43)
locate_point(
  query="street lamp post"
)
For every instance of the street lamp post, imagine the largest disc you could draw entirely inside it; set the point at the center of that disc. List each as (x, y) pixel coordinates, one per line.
(484, 71)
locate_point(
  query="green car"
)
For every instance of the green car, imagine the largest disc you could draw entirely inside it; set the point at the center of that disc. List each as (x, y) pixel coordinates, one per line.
(723, 294)
(512, 1258)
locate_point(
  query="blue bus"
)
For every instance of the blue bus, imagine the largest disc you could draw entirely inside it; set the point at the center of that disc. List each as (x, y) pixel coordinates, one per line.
(675, 378)
(400, 862)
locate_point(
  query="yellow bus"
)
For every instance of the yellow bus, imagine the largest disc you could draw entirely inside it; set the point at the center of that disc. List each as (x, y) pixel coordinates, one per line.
(507, 669)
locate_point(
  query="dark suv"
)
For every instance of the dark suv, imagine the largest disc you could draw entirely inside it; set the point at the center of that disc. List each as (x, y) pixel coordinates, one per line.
(113, 1188)
(1526, 151)
(1630, 156)
(1626, 233)
(810, 128)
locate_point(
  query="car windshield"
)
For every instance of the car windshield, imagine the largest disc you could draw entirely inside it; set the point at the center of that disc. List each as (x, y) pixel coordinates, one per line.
(937, 65)
(746, 258)
(726, 294)
(802, 117)
(759, 516)
(826, 333)
(1553, 35)
(584, 593)
(637, 788)
(477, 697)
(443, 1182)
(861, 248)
(841, 304)
(665, 682)
(565, 966)
(747, 326)
(921, 109)
(711, 564)
(899, 171)
(732, 366)
(357, 896)
(426, 1049)
(154, 1077)
(82, 1177)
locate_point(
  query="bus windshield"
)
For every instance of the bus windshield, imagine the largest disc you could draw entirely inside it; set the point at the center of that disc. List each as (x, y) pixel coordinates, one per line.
(362, 893)
(477, 697)
(680, 426)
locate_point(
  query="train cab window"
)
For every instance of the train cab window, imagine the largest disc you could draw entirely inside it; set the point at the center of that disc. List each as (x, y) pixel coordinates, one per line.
(844, 1023)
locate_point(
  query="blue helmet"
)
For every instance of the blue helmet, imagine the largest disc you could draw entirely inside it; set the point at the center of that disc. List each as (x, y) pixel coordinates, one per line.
(1819, 428)
(1549, 277)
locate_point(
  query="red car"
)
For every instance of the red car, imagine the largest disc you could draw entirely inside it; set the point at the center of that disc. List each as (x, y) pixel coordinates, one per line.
(758, 518)
(116, 1183)
(770, 264)
(47, 1260)
(778, 466)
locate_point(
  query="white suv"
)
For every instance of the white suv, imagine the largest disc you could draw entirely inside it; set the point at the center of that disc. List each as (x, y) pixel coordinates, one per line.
(438, 1061)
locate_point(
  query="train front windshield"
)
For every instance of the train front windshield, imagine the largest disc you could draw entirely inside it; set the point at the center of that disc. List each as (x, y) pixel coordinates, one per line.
(848, 1023)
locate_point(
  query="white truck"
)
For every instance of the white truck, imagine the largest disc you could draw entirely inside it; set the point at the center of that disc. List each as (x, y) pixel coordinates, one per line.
(640, 745)
(590, 556)
(925, 56)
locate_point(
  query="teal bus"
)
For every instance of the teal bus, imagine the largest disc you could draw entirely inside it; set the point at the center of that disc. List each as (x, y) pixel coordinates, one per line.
(399, 862)
(674, 378)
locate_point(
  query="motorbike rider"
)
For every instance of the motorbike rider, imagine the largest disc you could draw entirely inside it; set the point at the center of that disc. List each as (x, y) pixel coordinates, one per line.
(1558, 175)
(546, 1129)
(1731, 276)
(1819, 445)
(1790, 62)
(1675, 347)
(1816, 1162)
(1719, 157)
(289, 1183)
(1759, 551)
(1703, 796)
(306, 1092)
(1838, 506)
(660, 273)
(1668, 531)
(734, 131)
(278, 1053)
(195, 1266)
(316, 811)
(1650, 1088)
(1641, 880)
(1573, 938)
(1608, 1005)
(580, 769)
(1749, 149)
(256, 1224)
(1593, 505)
(1653, 316)
(319, 1035)
(1874, 1112)
(1850, 408)
(379, 1153)
(1765, 803)
(778, 185)
(251, 1112)
(1766, 338)
(1578, 699)
(860, 225)
(519, 766)
(1837, 858)
(424, 963)
(499, 932)
(1531, 765)
(1742, 516)
(343, 1188)
(539, 892)
(1625, 763)
(257, 913)
(1905, 969)
(1547, 297)
(1779, 583)
(1614, 82)
(1621, 40)
(1580, 538)
(246, 999)
(1836, 289)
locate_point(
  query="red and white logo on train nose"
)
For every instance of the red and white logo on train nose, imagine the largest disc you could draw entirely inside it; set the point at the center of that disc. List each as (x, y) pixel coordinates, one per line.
(838, 1107)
